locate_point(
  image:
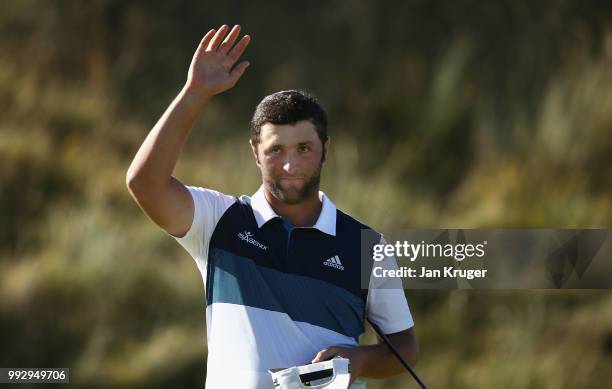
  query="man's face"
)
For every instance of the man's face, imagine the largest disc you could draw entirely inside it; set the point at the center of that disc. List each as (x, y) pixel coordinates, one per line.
(290, 158)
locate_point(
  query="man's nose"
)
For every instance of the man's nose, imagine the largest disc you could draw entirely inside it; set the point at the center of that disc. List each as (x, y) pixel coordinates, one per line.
(289, 163)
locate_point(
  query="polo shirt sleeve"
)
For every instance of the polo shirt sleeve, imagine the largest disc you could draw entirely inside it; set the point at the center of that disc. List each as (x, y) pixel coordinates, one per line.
(386, 303)
(209, 206)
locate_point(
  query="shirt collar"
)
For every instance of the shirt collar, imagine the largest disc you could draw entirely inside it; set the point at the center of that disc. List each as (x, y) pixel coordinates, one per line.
(263, 212)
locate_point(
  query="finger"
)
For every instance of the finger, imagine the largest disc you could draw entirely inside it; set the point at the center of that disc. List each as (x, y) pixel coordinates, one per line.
(230, 39)
(324, 354)
(238, 71)
(216, 40)
(237, 50)
(318, 357)
(206, 40)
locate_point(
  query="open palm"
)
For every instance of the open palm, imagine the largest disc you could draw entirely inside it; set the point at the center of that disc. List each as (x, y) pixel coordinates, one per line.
(213, 67)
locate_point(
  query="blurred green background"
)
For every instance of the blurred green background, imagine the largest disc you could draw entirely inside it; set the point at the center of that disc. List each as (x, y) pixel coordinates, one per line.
(464, 114)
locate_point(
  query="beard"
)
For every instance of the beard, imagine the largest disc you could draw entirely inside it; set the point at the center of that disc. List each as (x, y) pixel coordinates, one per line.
(295, 195)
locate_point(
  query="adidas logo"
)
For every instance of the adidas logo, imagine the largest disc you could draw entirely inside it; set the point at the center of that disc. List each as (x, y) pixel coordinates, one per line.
(334, 262)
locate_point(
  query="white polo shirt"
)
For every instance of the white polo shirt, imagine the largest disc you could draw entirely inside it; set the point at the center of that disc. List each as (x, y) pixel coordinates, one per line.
(275, 297)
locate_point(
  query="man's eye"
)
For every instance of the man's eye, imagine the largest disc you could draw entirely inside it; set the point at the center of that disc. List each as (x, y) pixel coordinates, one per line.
(275, 150)
(304, 149)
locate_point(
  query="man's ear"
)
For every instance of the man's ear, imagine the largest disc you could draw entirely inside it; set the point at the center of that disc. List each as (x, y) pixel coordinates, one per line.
(325, 150)
(254, 150)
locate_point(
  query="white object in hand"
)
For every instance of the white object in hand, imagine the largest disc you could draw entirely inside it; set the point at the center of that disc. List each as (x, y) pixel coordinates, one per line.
(314, 376)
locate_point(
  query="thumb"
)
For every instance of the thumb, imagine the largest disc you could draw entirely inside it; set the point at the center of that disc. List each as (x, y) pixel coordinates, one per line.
(324, 355)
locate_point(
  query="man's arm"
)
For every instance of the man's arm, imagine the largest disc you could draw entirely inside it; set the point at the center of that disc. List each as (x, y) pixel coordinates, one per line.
(376, 361)
(149, 178)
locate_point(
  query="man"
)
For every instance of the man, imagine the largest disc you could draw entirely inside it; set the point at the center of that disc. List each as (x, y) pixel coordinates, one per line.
(281, 268)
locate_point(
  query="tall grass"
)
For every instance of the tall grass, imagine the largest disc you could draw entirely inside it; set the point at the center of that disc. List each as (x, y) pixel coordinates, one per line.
(88, 282)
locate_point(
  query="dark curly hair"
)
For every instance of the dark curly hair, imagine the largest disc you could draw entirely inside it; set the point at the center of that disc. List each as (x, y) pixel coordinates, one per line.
(289, 107)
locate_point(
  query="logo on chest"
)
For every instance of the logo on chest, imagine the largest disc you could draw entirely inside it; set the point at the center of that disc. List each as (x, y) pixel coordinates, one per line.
(334, 262)
(247, 236)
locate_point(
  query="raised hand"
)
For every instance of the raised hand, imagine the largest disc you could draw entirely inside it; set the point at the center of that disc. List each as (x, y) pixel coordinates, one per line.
(213, 68)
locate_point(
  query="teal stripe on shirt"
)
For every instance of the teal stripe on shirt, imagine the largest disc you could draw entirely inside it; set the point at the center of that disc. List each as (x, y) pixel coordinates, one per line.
(238, 280)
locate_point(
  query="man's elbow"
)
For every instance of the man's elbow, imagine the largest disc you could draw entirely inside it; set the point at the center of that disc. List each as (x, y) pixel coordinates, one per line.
(413, 346)
(410, 346)
(134, 182)
(413, 356)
